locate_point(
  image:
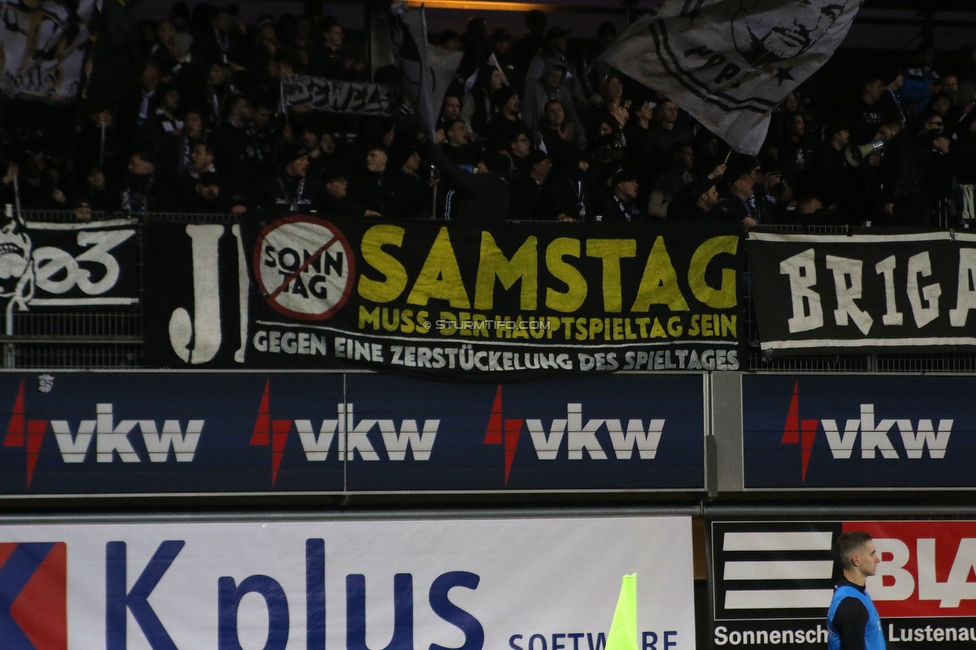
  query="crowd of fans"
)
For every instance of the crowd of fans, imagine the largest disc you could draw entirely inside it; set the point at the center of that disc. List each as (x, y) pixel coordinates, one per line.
(530, 129)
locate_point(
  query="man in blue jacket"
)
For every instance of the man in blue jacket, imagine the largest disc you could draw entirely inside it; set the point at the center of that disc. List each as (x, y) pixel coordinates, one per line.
(852, 619)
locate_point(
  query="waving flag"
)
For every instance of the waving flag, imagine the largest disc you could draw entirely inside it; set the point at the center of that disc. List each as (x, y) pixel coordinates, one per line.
(728, 62)
(427, 70)
(43, 48)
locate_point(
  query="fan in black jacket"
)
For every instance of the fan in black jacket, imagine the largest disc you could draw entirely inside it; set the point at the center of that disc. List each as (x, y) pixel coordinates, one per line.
(483, 196)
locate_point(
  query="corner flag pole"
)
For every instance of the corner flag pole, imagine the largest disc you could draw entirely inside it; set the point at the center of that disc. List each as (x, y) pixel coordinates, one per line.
(623, 629)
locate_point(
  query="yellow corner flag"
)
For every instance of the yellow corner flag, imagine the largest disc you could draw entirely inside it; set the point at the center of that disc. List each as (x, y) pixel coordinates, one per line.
(623, 629)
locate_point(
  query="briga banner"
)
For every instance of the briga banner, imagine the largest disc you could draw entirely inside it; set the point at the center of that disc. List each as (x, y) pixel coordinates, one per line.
(315, 584)
(881, 292)
(455, 300)
(773, 582)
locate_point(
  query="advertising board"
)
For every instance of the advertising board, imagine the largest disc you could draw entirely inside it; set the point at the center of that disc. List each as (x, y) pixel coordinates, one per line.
(772, 582)
(243, 433)
(858, 432)
(524, 584)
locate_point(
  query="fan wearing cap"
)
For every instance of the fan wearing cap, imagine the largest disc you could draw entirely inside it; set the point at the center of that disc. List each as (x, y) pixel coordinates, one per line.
(528, 44)
(220, 85)
(696, 201)
(621, 205)
(289, 189)
(568, 192)
(595, 70)
(208, 198)
(410, 191)
(831, 173)
(544, 89)
(260, 53)
(166, 121)
(184, 72)
(864, 116)
(795, 153)
(137, 106)
(773, 194)
(504, 125)
(238, 151)
(940, 168)
(527, 188)
(139, 195)
(219, 43)
(501, 49)
(890, 102)
(738, 201)
(334, 200)
(553, 52)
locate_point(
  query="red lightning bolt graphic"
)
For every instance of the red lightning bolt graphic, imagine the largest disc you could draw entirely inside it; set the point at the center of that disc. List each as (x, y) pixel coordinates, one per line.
(801, 432)
(15, 429)
(791, 432)
(270, 432)
(262, 426)
(501, 430)
(19, 426)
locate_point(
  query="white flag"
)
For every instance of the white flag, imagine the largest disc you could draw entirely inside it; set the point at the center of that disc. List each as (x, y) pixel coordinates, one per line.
(43, 47)
(427, 70)
(728, 62)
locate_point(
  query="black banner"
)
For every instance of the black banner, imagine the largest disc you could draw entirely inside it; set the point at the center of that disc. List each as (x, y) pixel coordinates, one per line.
(69, 265)
(335, 96)
(883, 292)
(457, 300)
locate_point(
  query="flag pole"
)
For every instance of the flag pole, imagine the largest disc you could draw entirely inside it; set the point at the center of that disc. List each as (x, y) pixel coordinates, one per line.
(101, 148)
(17, 197)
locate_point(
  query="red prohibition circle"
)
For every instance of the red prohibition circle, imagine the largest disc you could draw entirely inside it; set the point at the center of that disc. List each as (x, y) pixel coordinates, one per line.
(338, 237)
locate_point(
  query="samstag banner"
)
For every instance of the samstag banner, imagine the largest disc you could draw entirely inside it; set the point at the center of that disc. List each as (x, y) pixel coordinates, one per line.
(772, 582)
(883, 292)
(458, 300)
(44, 44)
